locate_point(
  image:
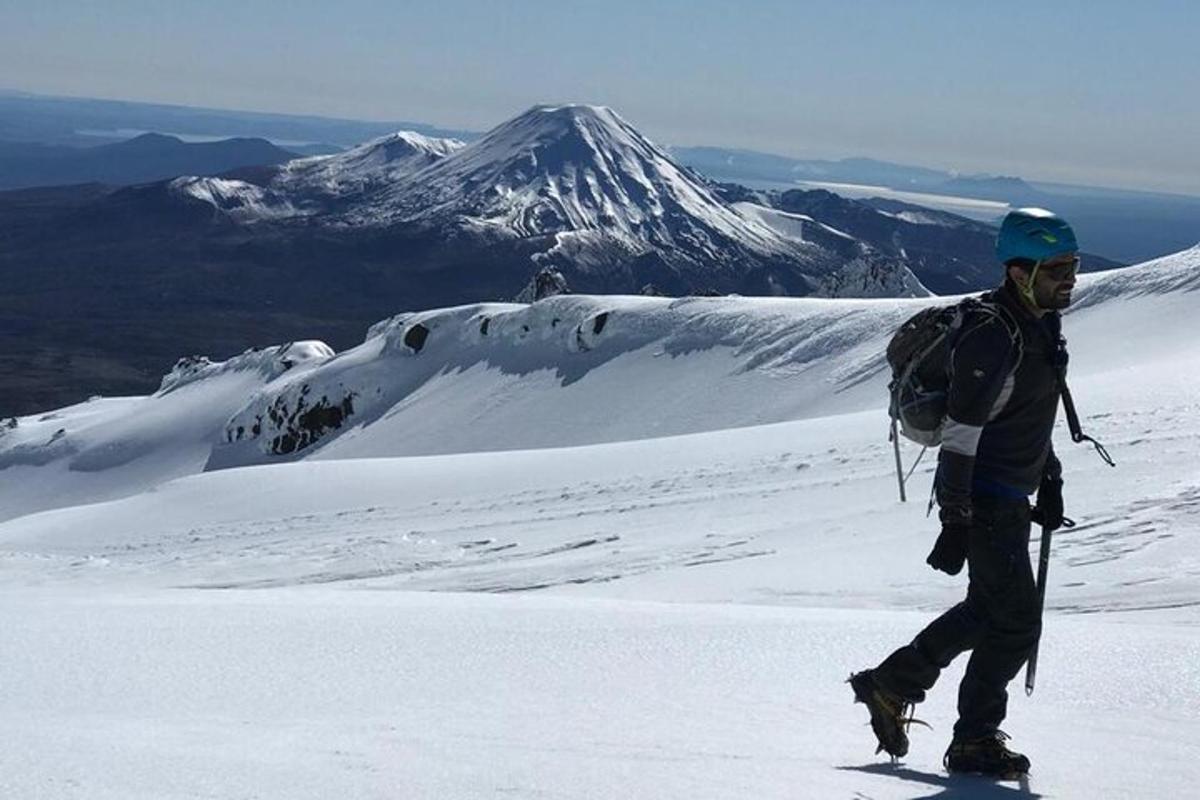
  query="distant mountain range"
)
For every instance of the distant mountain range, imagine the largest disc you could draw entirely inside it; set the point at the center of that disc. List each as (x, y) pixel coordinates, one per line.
(1123, 225)
(145, 158)
(750, 165)
(116, 283)
(79, 121)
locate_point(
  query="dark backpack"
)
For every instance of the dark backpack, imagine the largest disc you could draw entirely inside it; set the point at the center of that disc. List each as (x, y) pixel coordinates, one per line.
(921, 355)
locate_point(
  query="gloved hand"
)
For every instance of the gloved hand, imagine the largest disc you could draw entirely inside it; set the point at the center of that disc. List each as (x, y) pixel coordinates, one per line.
(950, 550)
(1049, 509)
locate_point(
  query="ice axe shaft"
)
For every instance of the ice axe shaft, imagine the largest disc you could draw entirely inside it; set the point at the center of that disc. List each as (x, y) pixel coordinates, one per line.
(1043, 568)
(899, 466)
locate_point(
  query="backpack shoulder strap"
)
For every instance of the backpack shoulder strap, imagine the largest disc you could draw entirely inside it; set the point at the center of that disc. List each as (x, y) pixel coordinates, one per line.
(985, 309)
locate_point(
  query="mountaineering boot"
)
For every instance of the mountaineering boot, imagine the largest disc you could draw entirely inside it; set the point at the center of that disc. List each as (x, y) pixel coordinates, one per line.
(890, 714)
(985, 755)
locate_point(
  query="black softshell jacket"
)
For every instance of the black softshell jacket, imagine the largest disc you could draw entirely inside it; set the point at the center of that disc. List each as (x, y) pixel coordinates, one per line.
(1000, 420)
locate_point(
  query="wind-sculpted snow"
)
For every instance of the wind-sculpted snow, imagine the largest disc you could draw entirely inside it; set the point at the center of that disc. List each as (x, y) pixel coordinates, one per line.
(566, 370)
(269, 362)
(110, 447)
(571, 370)
(1179, 272)
(35, 453)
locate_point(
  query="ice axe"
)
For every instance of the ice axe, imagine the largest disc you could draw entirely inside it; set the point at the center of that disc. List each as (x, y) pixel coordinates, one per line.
(1043, 568)
(1077, 436)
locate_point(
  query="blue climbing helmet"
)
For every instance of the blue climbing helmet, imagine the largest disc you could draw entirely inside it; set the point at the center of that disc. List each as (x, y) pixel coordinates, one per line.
(1034, 234)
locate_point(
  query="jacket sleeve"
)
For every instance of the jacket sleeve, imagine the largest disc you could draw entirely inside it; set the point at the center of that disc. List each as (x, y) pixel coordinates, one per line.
(1053, 468)
(980, 384)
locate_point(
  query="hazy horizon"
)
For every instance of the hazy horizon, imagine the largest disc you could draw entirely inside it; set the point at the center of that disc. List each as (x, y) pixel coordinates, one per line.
(1061, 94)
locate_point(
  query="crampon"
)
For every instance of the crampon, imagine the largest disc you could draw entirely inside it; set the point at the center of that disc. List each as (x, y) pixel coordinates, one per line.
(891, 715)
(985, 755)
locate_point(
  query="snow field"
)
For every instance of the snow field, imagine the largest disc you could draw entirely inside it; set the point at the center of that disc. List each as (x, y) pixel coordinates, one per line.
(465, 596)
(332, 693)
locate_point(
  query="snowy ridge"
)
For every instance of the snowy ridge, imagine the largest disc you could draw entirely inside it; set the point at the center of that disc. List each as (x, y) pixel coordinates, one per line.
(109, 447)
(921, 218)
(864, 272)
(1179, 272)
(794, 226)
(240, 201)
(371, 165)
(270, 362)
(416, 374)
(572, 369)
(567, 370)
(870, 275)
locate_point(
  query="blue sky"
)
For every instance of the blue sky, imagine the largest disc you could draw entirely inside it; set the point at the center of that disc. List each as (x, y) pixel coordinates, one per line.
(1087, 92)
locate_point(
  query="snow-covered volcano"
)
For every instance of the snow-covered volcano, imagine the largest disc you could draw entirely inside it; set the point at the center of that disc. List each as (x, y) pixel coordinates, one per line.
(605, 193)
(575, 168)
(575, 187)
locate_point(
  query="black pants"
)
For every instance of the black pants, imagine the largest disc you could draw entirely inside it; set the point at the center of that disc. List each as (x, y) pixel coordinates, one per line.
(999, 621)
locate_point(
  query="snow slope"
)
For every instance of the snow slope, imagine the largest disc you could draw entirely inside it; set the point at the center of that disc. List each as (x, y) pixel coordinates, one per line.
(310, 695)
(377, 163)
(239, 200)
(568, 370)
(111, 447)
(646, 615)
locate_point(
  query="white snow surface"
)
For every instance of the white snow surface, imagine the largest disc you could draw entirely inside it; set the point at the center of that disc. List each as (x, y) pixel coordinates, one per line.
(551, 561)
(371, 165)
(860, 276)
(785, 222)
(300, 187)
(239, 200)
(921, 218)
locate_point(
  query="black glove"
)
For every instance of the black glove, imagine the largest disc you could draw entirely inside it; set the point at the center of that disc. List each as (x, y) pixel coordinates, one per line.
(950, 550)
(1049, 509)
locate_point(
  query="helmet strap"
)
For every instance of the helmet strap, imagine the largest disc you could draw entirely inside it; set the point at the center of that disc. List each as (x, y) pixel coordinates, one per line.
(1026, 287)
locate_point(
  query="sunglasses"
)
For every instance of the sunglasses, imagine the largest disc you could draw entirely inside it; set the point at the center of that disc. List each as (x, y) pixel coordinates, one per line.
(1060, 271)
